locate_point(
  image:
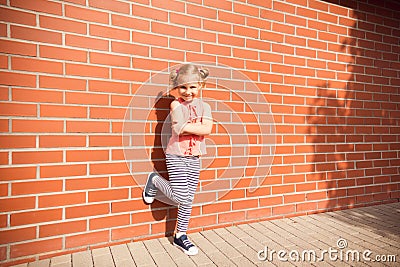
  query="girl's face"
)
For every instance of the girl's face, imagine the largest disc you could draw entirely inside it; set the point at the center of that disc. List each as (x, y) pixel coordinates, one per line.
(189, 90)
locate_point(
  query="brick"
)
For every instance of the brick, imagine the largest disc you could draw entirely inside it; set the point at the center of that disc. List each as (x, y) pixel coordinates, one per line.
(36, 35)
(58, 111)
(62, 228)
(84, 211)
(62, 83)
(105, 141)
(85, 98)
(34, 65)
(51, 141)
(85, 70)
(40, 6)
(108, 195)
(272, 15)
(230, 40)
(62, 24)
(87, 155)
(127, 22)
(107, 113)
(18, 17)
(235, 63)
(244, 204)
(201, 11)
(231, 217)
(109, 221)
(17, 79)
(167, 54)
(106, 86)
(144, 216)
(86, 239)
(184, 19)
(37, 187)
(199, 35)
(36, 157)
(17, 141)
(107, 59)
(246, 31)
(15, 204)
(128, 232)
(62, 171)
(35, 247)
(150, 13)
(166, 29)
(126, 206)
(202, 221)
(86, 14)
(216, 208)
(185, 45)
(109, 32)
(14, 109)
(88, 127)
(85, 184)
(35, 217)
(129, 48)
(17, 173)
(149, 64)
(16, 235)
(62, 53)
(116, 6)
(217, 49)
(86, 42)
(61, 200)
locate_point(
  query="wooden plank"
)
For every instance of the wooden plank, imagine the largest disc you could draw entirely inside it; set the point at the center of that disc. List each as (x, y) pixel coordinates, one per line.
(83, 258)
(122, 256)
(176, 254)
(61, 261)
(211, 251)
(140, 255)
(102, 257)
(158, 253)
(41, 263)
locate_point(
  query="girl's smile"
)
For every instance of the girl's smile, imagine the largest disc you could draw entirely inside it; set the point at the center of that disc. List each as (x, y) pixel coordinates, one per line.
(189, 91)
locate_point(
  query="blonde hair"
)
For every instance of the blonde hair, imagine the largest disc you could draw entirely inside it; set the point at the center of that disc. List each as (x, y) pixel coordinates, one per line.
(179, 76)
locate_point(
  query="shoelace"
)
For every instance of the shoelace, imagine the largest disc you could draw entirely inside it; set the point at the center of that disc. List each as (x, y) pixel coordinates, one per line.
(186, 242)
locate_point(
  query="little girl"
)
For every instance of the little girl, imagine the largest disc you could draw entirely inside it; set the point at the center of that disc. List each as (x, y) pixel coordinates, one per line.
(191, 121)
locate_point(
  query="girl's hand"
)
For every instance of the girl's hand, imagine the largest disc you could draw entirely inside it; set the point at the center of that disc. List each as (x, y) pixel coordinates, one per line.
(181, 126)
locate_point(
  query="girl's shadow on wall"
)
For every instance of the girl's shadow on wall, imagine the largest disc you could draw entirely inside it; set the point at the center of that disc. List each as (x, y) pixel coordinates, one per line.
(162, 132)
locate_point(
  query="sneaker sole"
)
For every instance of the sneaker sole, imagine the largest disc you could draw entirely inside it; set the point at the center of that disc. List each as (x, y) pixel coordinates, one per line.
(186, 251)
(143, 194)
(144, 199)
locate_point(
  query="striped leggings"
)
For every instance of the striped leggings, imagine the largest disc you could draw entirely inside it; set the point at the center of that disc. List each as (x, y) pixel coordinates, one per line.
(183, 175)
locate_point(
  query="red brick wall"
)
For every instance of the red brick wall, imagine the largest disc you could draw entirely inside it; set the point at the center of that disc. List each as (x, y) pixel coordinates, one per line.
(327, 74)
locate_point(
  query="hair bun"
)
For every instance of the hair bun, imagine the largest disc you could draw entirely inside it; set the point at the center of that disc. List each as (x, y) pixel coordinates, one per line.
(173, 74)
(204, 73)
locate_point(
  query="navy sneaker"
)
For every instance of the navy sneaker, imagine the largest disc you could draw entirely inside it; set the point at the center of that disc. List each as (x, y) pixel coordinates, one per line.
(184, 244)
(150, 190)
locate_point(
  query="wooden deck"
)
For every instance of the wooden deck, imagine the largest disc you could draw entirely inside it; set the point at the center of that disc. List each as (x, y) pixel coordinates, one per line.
(373, 228)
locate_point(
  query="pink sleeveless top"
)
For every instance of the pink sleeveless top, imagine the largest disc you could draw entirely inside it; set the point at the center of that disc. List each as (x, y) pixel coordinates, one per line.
(188, 145)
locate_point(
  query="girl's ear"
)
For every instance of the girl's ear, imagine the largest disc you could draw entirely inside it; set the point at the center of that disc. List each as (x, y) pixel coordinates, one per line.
(202, 85)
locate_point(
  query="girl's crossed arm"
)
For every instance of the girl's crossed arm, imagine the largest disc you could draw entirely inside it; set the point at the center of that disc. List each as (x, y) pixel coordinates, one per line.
(181, 126)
